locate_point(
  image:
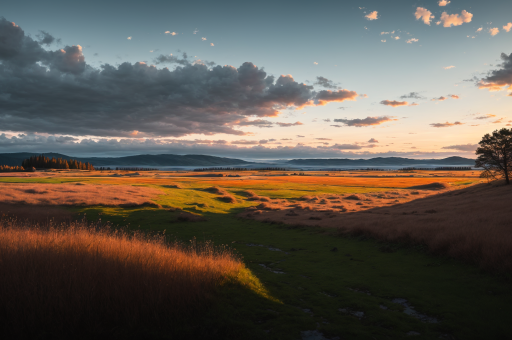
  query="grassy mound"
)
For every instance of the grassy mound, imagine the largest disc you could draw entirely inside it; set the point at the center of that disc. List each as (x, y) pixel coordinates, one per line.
(81, 279)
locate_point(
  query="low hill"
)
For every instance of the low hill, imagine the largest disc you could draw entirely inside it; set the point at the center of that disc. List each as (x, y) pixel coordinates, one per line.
(383, 161)
(14, 159)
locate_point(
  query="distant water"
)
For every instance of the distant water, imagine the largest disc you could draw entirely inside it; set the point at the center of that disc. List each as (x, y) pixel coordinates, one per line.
(301, 167)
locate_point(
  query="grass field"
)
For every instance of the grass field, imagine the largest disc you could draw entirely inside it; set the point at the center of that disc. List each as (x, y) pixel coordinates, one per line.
(312, 282)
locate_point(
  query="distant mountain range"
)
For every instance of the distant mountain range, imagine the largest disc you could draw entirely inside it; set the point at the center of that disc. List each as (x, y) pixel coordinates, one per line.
(14, 159)
(383, 161)
(167, 160)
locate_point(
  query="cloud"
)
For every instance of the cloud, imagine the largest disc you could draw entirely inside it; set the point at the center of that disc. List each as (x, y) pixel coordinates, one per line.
(373, 140)
(480, 29)
(449, 67)
(368, 121)
(462, 147)
(424, 14)
(247, 142)
(170, 33)
(326, 83)
(508, 27)
(383, 40)
(501, 79)
(494, 31)
(57, 92)
(171, 59)
(211, 44)
(486, 116)
(203, 39)
(46, 38)
(442, 98)
(323, 138)
(410, 41)
(261, 123)
(447, 124)
(315, 63)
(326, 96)
(289, 124)
(346, 146)
(372, 16)
(449, 20)
(443, 3)
(394, 103)
(253, 150)
(195, 31)
(413, 95)
(129, 38)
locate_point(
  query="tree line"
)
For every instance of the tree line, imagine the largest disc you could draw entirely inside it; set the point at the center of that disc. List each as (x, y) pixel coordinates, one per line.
(7, 168)
(43, 162)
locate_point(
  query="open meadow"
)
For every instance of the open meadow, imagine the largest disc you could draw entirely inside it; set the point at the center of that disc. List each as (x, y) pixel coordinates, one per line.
(256, 255)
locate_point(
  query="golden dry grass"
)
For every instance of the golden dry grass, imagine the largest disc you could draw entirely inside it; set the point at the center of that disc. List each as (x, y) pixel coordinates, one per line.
(473, 224)
(81, 279)
(77, 194)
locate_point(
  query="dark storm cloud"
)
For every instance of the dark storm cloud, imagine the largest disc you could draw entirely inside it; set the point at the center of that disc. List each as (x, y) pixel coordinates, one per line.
(46, 38)
(171, 59)
(326, 83)
(368, 121)
(500, 79)
(57, 92)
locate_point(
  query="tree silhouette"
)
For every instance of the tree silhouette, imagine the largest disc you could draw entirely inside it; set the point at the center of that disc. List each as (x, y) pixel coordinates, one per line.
(495, 154)
(43, 162)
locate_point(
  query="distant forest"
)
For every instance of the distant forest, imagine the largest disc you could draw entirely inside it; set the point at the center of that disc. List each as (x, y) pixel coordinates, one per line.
(42, 162)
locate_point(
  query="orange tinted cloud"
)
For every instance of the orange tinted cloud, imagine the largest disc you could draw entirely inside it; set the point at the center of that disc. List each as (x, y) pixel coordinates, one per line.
(500, 79)
(487, 116)
(424, 14)
(443, 3)
(507, 27)
(326, 96)
(393, 103)
(453, 96)
(493, 31)
(372, 16)
(449, 20)
(447, 124)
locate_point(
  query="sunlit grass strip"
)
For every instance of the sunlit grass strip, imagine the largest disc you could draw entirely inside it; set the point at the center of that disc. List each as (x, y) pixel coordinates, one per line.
(80, 278)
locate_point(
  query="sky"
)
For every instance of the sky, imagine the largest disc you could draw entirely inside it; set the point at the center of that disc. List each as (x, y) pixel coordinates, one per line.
(265, 80)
